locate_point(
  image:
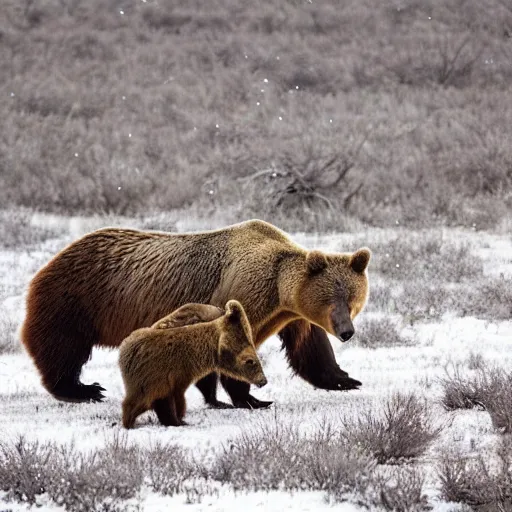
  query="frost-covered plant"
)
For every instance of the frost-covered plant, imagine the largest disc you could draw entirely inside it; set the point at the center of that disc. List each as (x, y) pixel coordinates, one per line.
(476, 481)
(169, 467)
(108, 479)
(380, 332)
(404, 429)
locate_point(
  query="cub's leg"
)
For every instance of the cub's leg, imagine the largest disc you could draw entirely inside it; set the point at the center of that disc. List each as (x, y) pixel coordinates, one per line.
(181, 404)
(165, 409)
(133, 406)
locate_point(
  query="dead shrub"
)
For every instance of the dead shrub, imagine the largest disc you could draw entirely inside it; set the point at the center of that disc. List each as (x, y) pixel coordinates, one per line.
(477, 481)
(9, 342)
(380, 332)
(489, 388)
(496, 398)
(461, 392)
(169, 467)
(404, 430)
(108, 480)
(17, 230)
(401, 490)
(442, 261)
(278, 457)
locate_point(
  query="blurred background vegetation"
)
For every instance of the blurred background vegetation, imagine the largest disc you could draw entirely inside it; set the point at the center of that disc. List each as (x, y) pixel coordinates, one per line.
(313, 115)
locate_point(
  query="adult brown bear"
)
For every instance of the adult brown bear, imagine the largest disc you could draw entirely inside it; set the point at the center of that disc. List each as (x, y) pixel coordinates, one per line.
(113, 281)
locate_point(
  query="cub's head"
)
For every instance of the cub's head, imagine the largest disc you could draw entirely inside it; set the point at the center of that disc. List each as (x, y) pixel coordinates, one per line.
(237, 354)
(334, 290)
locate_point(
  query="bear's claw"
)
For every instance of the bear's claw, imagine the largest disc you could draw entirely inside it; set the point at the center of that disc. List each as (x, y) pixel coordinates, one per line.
(217, 404)
(251, 403)
(340, 381)
(348, 383)
(78, 392)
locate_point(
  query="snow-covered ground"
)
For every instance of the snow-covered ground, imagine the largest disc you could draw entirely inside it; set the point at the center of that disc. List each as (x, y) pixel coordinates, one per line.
(26, 408)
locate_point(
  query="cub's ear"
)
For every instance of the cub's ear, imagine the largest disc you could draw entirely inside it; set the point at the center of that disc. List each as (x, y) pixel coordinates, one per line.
(233, 310)
(316, 261)
(360, 259)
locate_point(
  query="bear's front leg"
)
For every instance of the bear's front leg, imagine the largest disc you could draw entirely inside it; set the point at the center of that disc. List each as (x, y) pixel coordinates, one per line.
(239, 393)
(311, 356)
(208, 387)
(165, 409)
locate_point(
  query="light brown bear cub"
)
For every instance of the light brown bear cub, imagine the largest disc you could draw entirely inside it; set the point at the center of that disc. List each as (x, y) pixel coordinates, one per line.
(160, 362)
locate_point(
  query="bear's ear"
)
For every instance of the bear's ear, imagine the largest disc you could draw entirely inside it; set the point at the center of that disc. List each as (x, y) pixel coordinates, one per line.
(233, 310)
(316, 261)
(360, 259)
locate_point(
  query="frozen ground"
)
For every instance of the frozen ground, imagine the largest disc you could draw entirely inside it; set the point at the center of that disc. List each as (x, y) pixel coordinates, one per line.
(26, 408)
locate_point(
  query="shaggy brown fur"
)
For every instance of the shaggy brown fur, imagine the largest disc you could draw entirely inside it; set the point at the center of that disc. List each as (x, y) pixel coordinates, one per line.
(158, 364)
(189, 314)
(113, 281)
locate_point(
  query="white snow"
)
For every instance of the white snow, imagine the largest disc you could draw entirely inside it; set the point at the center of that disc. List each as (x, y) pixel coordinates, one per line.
(26, 408)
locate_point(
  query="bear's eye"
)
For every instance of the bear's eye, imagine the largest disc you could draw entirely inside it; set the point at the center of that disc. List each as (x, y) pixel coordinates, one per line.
(250, 362)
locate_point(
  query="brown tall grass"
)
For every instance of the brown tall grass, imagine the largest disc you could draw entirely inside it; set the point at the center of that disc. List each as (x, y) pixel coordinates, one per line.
(380, 111)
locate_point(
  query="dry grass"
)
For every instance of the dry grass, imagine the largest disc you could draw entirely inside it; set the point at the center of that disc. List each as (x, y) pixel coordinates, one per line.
(17, 230)
(478, 482)
(270, 456)
(276, 456)
(108, 480)
(461, 392)
(404, 430)
(131, 107)
(381, 332)
(489, 388)
(9, 342)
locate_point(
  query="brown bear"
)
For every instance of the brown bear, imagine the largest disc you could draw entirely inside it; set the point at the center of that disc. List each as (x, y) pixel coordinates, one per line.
(113, 281)
(159, 363)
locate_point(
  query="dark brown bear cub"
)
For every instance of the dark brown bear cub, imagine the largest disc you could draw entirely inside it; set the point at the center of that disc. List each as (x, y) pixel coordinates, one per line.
(158, 364)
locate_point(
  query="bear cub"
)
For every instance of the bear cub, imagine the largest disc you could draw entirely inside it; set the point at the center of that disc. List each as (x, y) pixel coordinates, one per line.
(160, 362)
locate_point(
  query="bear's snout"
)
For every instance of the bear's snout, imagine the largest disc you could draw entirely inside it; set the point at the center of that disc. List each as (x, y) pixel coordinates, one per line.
(262, 382)
(346, 335)
(341, 322)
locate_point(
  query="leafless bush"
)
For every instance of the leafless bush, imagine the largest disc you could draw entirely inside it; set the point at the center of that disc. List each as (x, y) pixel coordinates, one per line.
(465, 480)
(487, 298)
(106, 480)
(404, 430)
(484, 297)
(489, 388)
(311, 179)
(169, 467)
(9, 342)
(476, 481)
(443, 261)
(401, 490)
(23, 469)
(145, 101)
(497, 399)
(381, 332)
(17, 230)
(278, 457)
(462, 392)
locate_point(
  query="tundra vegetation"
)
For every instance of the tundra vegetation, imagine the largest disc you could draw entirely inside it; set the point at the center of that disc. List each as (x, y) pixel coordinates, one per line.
(378, 123)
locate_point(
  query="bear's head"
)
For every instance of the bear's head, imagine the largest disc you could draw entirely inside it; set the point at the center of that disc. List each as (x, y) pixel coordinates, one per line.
(333, 290)
(237, 355)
